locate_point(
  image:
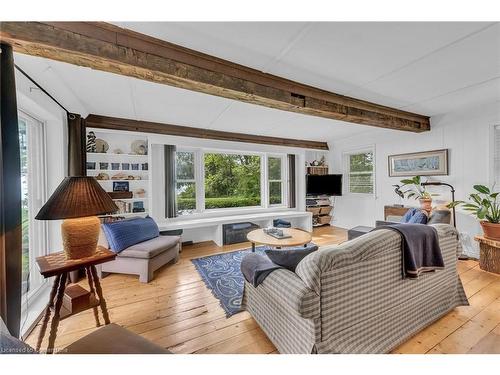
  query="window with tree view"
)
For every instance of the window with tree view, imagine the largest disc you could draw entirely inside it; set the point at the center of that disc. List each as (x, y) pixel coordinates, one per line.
(185, 182)
(231, 180)
(360, 172)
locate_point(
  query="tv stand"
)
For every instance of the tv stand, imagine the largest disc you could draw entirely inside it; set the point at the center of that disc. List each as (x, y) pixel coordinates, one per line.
(321, 208)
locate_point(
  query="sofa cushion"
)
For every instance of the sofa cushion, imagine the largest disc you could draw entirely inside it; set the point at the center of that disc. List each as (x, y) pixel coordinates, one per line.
(113, 339)
(290, 258)
(11, 345)
(408, 215)
(125, 233)
(440, 217)
(418, 218)
(150, 248)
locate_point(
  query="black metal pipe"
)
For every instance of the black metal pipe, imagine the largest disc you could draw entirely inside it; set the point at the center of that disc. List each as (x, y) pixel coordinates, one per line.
(40, 87)
(10, 194)
(435, 183)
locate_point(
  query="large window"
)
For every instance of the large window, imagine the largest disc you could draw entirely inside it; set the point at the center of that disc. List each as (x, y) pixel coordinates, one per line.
(275, 180)
(232, 180)
(185, 182)
(33, 194)
(213, 180)
(360, 172)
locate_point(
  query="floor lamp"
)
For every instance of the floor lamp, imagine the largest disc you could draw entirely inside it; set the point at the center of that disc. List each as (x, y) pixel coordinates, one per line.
(462, 256)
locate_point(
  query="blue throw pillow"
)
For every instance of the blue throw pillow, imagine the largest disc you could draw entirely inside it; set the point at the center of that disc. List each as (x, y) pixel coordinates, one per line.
(418, 218)
(125, 233)
(408, 215)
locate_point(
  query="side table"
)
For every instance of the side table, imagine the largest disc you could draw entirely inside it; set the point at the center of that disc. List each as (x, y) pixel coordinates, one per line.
(57, 265)
(489, 256)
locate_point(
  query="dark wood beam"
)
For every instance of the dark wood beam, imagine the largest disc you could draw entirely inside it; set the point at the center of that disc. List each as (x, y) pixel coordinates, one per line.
(113, 49)
(104, 122)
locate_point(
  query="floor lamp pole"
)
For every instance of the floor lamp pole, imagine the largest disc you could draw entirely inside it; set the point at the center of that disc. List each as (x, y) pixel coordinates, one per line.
(462, 256)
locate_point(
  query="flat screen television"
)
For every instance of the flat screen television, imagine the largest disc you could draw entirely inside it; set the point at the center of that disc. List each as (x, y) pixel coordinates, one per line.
(329, 184)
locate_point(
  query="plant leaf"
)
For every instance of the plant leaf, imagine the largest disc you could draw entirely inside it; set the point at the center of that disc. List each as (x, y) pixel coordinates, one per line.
(482, 189)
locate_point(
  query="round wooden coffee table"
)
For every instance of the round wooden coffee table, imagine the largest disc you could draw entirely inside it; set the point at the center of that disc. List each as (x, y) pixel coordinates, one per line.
(299, 237)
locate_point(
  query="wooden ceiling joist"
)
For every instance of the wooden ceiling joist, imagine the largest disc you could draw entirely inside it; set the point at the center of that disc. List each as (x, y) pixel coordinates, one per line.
(109, 48)
(105, 122)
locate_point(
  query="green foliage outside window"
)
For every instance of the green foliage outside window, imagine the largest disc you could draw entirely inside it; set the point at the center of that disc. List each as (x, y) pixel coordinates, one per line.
(361, 173)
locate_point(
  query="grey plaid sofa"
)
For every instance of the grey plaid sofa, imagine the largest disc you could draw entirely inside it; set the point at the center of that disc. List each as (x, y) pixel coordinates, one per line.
(351, 298)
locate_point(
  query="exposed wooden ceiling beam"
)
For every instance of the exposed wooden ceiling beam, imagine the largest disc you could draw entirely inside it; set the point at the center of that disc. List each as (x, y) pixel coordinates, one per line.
(104, 122)
(113, 49)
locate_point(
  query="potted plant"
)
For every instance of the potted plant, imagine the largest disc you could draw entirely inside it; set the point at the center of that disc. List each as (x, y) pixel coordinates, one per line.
(416, 191)
(484, 205)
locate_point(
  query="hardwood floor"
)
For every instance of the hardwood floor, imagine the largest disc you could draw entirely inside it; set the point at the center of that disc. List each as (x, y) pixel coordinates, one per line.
(178, 312)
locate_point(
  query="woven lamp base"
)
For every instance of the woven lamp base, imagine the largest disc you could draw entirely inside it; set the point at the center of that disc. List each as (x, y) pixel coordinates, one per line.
(80, 236)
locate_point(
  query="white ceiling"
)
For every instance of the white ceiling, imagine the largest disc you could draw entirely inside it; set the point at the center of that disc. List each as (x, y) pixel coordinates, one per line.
(427, 68)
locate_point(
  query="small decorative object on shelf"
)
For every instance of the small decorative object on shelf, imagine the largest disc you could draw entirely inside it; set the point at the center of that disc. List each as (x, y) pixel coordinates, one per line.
(120, 194)
(120, 186)
(91, 146)
(138, 207)
(125, 166)
(135, 166)
(139, 147)
(101, 146)
(144, 166)
(102, 176)
(91, 165)
(115, 166)
(139, 193)
(103, 166)
(319, 170)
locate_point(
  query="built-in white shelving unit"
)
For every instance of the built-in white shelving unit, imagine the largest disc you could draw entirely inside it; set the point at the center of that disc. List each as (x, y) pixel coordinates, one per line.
(123, 167)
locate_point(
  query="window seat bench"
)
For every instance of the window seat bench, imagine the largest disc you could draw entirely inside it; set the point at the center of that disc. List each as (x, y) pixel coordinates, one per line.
(210, 228)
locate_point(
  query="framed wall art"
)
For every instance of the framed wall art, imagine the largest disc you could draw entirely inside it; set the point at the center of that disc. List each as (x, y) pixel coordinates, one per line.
(427, 163)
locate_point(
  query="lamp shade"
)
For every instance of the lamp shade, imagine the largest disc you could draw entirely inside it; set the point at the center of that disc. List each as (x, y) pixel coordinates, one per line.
(77, 197)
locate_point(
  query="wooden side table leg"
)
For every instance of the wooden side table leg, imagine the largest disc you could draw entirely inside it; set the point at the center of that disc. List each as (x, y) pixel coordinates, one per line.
(92, 291)
(46, 315)
(57, 310)
(98, 289)
(253, 247)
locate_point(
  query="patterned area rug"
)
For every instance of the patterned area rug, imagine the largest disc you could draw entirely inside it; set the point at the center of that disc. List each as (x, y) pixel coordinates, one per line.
(221, 273)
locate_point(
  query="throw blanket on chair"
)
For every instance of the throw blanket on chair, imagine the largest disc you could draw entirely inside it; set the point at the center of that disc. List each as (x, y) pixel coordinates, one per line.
(256, 268)
(420, 248)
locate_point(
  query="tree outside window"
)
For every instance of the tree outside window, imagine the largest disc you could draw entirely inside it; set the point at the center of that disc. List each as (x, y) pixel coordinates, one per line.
(231, 180)
(361, 172)
(274, 167)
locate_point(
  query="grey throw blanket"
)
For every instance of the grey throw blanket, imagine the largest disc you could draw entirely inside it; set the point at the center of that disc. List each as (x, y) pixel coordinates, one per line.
(420, 248)
(256, 268)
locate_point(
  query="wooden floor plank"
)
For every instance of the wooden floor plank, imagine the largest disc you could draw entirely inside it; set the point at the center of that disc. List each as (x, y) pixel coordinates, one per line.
(177, 311)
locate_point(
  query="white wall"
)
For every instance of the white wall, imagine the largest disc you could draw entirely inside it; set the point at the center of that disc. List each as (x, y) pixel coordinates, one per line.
(467, 135)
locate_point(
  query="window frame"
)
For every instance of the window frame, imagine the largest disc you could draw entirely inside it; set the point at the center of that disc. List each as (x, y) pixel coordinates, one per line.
(347, 171)
(283, 180)
(198, 207)
(38, 230)
(264, 182)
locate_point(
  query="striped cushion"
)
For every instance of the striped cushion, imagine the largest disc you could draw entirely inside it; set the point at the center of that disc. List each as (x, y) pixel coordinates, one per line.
(126, 233)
